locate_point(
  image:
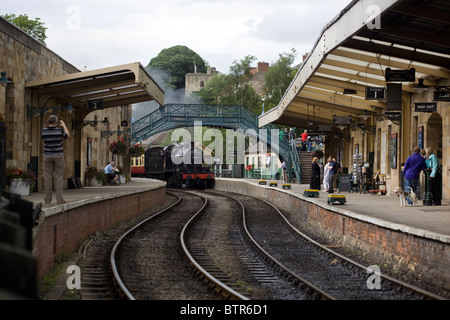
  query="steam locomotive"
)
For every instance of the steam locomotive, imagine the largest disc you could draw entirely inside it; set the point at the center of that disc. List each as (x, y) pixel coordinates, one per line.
(180, 165)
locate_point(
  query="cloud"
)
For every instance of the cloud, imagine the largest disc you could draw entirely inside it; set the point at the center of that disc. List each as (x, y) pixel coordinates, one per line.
(301, 22)
(102, 33)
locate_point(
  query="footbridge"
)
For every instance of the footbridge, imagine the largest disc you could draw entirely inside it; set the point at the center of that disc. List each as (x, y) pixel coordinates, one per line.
(173, 116)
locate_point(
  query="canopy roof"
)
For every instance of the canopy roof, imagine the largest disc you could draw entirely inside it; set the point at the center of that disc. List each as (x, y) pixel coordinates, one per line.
(353, 52)
(115, 86)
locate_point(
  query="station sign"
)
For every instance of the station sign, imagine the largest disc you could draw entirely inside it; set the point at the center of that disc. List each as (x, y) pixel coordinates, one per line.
(375, 93)
(426, 107)
(96, 104)
(442, 95)
(400, 75)
(325, 127)
(342, 120)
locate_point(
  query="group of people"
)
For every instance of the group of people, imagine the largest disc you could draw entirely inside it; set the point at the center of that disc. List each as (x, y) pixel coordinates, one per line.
(54, 162)
(419, 161)
(330, 172)
(291, 136)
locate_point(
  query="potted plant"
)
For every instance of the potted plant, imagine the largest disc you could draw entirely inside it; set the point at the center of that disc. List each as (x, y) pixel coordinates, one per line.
(19, 181)
(101, 178)
(95, 176)
(118, 146)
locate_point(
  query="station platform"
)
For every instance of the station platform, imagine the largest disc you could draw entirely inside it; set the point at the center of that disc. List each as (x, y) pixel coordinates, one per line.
(80, 197)
(429, 221)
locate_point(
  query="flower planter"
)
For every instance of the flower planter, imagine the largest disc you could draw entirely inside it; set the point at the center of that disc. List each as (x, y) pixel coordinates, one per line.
(19, 187)
(94, 183)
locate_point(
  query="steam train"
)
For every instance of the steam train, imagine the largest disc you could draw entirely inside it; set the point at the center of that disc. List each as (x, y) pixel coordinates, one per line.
(180, 165)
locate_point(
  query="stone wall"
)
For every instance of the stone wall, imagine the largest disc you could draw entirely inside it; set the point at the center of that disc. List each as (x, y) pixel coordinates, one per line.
(24, 59)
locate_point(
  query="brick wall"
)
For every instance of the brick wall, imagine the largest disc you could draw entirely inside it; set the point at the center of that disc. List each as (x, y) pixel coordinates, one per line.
(63, 233)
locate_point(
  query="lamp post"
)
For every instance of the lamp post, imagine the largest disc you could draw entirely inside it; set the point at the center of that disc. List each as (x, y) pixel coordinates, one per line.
(4, 81)
(427, 197)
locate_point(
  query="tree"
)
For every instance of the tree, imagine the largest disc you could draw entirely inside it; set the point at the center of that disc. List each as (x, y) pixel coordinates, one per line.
(177, 61)
(278, 78)
(34, 28)
(233, 88)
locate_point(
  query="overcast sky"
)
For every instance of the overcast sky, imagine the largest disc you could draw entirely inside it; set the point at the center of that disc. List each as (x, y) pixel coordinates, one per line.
(95, 34)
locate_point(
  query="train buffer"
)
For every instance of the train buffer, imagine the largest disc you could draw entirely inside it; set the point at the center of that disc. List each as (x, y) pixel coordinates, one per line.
(311, 193)
(332, 198)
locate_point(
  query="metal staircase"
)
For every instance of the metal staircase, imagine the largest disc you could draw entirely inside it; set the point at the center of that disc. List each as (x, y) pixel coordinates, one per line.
(295, 164)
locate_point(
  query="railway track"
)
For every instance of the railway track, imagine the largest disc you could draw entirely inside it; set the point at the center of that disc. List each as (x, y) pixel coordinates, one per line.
(309, 264)
(238, 247)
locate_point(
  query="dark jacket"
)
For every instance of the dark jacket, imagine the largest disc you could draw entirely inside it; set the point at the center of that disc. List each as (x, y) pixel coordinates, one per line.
(414, 164)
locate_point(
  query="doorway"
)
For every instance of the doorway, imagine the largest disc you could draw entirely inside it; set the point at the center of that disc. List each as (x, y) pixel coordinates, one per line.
(434, 135)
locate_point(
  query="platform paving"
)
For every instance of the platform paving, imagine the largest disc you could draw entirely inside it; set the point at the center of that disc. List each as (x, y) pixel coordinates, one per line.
(429, 221)
(80, 197)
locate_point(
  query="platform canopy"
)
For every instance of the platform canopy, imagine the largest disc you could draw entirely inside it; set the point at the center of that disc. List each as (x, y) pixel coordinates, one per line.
(113, 86)
(353, 52)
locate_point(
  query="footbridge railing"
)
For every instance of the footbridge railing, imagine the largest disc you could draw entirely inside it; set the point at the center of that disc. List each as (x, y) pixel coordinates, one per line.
(173, 116)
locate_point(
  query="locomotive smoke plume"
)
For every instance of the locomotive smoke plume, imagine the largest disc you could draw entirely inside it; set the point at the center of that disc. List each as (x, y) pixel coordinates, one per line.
(210, 144)
(171, 95)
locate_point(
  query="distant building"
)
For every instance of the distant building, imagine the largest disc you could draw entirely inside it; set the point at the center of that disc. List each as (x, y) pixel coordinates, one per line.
(197, 81)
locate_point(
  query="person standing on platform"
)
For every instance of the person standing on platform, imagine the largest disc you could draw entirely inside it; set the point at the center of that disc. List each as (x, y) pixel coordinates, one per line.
(314, 183)
(326, 176)
(435, 177)
(54, 163)
(285, 171)
(292, 137)
(332, 172)
(413, 166)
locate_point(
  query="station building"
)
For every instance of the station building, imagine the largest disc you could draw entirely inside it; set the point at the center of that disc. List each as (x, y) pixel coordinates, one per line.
(376, 84)
(95, 105)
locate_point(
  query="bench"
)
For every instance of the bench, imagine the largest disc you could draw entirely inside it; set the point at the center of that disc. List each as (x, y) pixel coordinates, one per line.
(262, 182)
(273, 184)
(256, 173)
(286, 186)
(336, 198)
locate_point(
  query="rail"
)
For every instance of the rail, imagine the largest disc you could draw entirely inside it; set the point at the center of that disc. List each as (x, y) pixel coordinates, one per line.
(116, 276)
(225, 290)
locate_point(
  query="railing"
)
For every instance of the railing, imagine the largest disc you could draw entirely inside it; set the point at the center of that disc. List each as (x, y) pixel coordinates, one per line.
(173, 116)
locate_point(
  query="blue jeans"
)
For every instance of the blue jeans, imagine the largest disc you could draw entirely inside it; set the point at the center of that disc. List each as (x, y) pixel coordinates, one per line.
(412, 183)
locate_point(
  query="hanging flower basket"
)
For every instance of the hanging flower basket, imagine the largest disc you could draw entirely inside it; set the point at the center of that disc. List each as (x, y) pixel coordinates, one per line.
(118, 146)
(136, 151)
